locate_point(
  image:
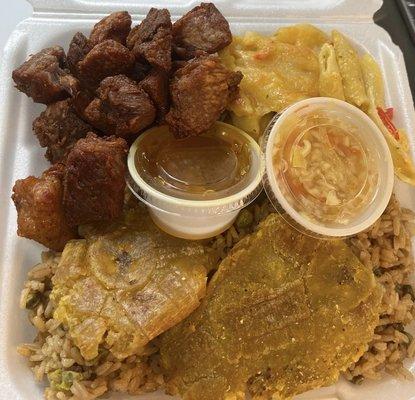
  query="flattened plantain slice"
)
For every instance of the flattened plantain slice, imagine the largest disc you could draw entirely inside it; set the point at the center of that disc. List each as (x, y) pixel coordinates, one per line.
(126, 283)
(284, 314)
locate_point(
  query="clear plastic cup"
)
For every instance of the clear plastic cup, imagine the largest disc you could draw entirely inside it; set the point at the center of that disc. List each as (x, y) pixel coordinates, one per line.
(296, 199)
(189, 218)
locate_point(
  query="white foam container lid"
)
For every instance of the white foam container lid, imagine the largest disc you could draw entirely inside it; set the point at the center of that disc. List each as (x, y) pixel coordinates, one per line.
(55, 22)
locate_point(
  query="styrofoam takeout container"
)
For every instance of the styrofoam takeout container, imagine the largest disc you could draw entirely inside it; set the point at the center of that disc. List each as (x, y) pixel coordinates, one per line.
(55, 22)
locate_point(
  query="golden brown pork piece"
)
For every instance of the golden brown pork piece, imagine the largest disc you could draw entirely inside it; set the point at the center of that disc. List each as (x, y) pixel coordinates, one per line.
(203, 28)
(43, 76)
(122, 108)
(156, 85)
(40, 215)
(94, 181)
(284, 313)
(200, 92)
(151, 40)
(115, 26)
(126, 283)
(107, 58)
(58, 128)
(81, 101)
(79, 47)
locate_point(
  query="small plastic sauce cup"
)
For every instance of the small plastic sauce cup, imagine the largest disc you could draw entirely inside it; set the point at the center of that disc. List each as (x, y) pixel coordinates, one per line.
(364, 166)
(192, 215)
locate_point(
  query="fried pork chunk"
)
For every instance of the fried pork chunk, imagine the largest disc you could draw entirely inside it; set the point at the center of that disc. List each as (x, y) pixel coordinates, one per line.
(94, 180)
(107, 58)
(79, 47)
(58, 128)
(152, 39)
(203, 28)
(200, 92)
(122, 107)
(43, 76)
(115, 26)
(40, 215)
(156, 85)
(140, 70)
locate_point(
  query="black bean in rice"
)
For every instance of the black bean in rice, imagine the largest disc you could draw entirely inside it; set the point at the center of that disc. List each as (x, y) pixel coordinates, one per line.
(386, 248)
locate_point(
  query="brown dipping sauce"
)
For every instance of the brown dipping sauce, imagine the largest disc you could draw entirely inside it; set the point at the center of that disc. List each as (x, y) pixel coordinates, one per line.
(210, 166)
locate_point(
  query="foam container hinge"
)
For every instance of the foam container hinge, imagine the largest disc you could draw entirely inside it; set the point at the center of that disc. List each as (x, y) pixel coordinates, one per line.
(55, 22)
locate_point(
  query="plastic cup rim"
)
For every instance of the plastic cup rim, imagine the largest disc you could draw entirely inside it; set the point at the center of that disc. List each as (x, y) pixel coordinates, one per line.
(196, 204)
(382, 196)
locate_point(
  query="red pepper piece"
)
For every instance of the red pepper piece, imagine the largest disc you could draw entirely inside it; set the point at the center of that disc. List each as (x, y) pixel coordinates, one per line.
(389, 113)
(387, 121)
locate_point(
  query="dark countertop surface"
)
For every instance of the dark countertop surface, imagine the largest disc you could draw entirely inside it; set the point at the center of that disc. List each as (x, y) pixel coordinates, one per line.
(390, 18)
